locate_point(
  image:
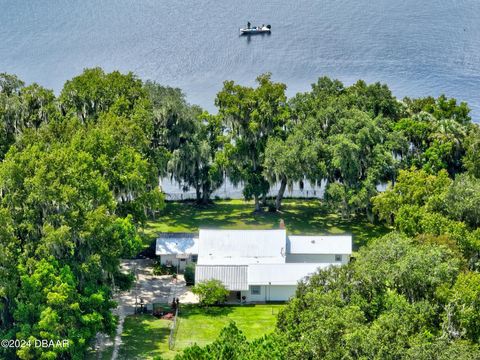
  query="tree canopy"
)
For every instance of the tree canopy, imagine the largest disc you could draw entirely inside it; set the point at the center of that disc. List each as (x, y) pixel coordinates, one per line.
(79, 176)
(401, 298)
(76, 181)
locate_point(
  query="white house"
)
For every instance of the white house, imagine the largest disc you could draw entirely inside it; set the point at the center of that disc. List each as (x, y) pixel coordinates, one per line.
(255, 265)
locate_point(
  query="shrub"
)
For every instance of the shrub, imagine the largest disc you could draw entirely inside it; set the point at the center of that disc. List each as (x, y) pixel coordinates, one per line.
(160, 269)
(211, 292)
(190, 274)
(124, 281)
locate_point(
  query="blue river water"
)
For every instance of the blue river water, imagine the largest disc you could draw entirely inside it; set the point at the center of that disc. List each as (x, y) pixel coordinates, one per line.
(418, 48)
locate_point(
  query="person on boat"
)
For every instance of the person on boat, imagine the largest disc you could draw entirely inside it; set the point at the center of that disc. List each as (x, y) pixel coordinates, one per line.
(248, 25)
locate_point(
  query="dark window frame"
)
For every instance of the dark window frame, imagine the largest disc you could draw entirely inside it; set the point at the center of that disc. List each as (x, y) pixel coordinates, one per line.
(255, 290)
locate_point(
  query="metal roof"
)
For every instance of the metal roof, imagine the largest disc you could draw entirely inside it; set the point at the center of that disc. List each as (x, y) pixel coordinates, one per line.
(176, 245)
(241, 247)
(317, 244)
(233, 277)
(282, 274)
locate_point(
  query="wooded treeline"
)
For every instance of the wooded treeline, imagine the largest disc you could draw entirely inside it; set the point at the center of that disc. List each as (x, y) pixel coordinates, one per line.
(402, 298)
(79, 174)
(413, 294)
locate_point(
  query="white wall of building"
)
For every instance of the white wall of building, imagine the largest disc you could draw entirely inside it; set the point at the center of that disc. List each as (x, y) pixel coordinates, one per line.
(254, 298)
(280, 292)
(270, 293)
(174, 262)
(316, 258)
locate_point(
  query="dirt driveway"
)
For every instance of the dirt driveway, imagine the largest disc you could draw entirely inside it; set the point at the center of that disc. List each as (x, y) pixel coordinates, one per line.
(149, 288)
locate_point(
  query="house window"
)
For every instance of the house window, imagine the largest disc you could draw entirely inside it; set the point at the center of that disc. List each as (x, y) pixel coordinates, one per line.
(255, 290)
(194, 258)
(338, 257)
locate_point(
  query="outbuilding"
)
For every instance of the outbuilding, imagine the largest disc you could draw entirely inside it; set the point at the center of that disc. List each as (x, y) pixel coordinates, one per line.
(177, 249)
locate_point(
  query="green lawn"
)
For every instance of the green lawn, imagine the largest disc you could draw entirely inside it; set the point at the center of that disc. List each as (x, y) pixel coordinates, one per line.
(144, 336)
(197, 325)
(301, 217)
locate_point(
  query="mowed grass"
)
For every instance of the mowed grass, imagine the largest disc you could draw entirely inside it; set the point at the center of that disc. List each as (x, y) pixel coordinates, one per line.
(200, 326)
(144, 337)
(306, 217)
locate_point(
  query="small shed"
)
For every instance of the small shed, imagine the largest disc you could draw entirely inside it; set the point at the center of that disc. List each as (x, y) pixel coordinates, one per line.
(177, 249)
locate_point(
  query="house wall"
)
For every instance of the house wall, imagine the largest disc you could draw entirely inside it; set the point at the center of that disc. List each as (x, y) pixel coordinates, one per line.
(315, 258)
(172, 259)
(280, 292)
(254, 298)
(271, 293)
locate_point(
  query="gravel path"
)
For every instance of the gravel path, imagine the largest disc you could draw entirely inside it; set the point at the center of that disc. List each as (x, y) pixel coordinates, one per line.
(151, 289)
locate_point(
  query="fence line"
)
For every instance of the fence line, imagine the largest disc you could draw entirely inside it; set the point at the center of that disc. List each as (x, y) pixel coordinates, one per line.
(173, 330)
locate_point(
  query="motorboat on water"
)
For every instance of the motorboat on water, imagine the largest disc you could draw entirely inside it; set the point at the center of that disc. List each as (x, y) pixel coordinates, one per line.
(255, 30)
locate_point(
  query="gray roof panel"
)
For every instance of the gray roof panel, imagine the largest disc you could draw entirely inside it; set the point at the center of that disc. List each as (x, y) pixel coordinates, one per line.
(233, 277)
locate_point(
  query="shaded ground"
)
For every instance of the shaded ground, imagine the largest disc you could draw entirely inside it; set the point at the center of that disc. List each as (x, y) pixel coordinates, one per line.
(301, 217)
(148, 287)
(151, 289)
